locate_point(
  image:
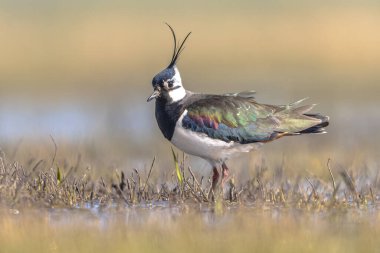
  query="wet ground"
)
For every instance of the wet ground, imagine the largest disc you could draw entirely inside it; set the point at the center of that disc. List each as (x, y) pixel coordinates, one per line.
(189, 228)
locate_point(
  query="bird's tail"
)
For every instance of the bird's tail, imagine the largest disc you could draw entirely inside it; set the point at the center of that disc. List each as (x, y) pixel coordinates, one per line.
(317, 129)
(295, 120)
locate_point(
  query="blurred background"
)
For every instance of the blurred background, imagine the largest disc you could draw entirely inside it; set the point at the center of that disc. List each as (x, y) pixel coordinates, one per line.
(80, 71)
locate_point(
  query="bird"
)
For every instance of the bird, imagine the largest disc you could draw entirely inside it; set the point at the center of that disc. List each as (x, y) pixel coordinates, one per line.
(218, 127)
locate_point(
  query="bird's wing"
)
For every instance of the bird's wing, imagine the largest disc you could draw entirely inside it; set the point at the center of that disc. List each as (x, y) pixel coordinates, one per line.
(243, 94)
(241, 119)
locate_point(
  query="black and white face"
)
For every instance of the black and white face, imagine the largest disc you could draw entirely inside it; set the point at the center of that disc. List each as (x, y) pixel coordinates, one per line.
(168, 85)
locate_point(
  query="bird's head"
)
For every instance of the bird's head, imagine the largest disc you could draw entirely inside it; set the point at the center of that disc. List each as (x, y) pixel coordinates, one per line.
(167, 84)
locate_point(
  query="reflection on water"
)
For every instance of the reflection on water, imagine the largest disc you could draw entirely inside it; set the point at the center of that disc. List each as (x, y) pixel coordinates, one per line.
(165, 214)
(189, 229)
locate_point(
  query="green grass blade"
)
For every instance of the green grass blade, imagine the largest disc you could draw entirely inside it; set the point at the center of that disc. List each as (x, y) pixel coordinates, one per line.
(179, 176)
(59, 175)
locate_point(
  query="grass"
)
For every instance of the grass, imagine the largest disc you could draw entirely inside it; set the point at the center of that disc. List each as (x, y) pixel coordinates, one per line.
(46, 184)
(42, 183)
(48, 205)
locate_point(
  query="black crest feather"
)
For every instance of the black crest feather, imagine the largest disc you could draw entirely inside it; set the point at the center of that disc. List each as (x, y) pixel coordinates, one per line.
(177, 49)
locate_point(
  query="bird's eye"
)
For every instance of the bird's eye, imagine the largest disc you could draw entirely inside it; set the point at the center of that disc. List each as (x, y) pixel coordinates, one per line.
(170, 83)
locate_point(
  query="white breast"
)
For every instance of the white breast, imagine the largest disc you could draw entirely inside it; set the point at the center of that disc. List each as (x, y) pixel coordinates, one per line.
(199, 144)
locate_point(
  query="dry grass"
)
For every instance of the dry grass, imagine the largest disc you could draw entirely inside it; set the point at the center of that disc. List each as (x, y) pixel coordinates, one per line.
(49, 207)
(44, 183)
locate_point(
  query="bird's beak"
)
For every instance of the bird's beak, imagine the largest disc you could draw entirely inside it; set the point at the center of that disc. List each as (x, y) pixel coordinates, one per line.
(155, 94)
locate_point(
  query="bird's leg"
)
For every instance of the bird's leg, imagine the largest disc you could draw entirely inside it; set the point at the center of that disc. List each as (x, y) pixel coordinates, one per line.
(225, 171)
(215, 179)
(231, 194)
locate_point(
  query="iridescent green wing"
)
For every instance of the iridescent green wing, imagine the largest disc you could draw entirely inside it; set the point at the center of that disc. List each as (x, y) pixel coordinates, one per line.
(241, 119)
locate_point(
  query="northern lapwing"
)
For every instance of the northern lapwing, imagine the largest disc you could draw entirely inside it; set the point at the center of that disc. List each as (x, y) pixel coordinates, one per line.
(218, 127)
